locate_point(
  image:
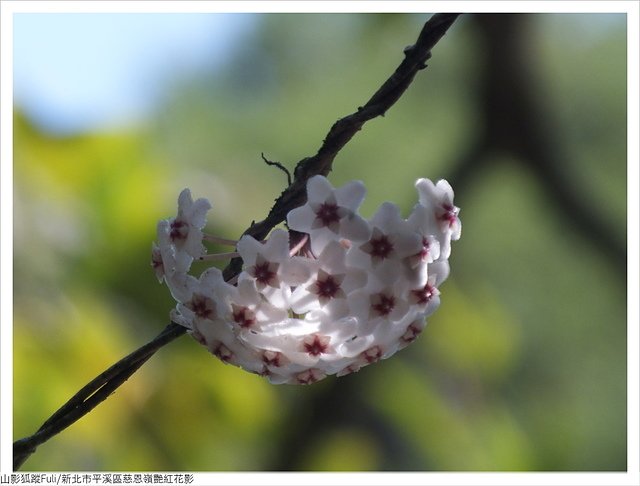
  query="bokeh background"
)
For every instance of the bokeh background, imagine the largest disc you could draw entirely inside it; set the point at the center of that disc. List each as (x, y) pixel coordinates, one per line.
(523, 367)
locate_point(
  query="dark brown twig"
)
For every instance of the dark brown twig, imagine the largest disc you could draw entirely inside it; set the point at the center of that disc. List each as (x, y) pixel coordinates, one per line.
(293, 196)
(92, 394)
(279, 166)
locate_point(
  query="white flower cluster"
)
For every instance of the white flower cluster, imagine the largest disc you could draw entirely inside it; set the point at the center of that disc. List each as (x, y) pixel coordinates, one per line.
(335, 293)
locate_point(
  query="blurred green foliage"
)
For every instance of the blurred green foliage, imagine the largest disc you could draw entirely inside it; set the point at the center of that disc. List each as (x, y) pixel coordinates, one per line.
(522, 368)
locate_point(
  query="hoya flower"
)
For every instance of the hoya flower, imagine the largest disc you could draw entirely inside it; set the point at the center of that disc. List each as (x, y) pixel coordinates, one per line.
(222, 342)
(412, 331)
(308, 377)
(206, 298)
(166, 259)
(378, 302)
(426, 297)
(421, 222)
(250, 311)
(330, 284)
(269, 264)
(392, 240)
(180, 238)
(330, 214)
(185, 230)
(442, 213)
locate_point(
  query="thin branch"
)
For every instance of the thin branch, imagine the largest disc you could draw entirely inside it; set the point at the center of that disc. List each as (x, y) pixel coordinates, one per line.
(92, 394)
(340, 133)
(279, 166)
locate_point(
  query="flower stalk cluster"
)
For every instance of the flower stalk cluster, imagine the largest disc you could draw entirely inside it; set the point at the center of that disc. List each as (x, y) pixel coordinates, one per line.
(334, 293)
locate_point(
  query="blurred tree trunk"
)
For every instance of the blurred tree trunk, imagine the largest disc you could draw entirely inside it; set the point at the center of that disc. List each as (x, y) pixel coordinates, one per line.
(517, 119)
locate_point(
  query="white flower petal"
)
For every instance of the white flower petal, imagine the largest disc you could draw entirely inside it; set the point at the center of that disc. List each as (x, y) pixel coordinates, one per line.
(431, 306)
(337, 309)
(333, 257)
(355, 278)
(406, 244)
(185, 201)
(197, 214)
(387, 216)
(193, 244)
(303, 301)
(301, 218)
(247, 292)
(351, 195)
(320, 239)
(445, 191)
(387, 272)
(439, 270)
(318, 189)
(249, 247)
(427, 193)
(355, 228)
(422, 220)
(360, 304)
(355, 347)
(276, 247)
(296, 271)
(456, 230)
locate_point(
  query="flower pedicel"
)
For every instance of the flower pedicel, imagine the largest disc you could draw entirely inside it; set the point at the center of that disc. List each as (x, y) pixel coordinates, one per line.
(335, 293)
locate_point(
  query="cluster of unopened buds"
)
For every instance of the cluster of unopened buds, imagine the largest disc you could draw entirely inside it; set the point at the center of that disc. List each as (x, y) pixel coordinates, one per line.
(331, 295)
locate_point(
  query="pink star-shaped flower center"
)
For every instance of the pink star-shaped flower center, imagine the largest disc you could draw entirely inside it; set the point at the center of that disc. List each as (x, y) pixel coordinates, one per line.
(179, 231)
(383, 304)
(411, 334)
(423, 295)
(202, 306)
(372, 354)
(309, 376)
(447, 214)
(424, 253)
(316, 344)
(379, 246)
(223, 353)
(265, 272)
(243, 316)
(157, 263)
(327, 214)
(352, 368)
(327, 287)
(274, 358)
